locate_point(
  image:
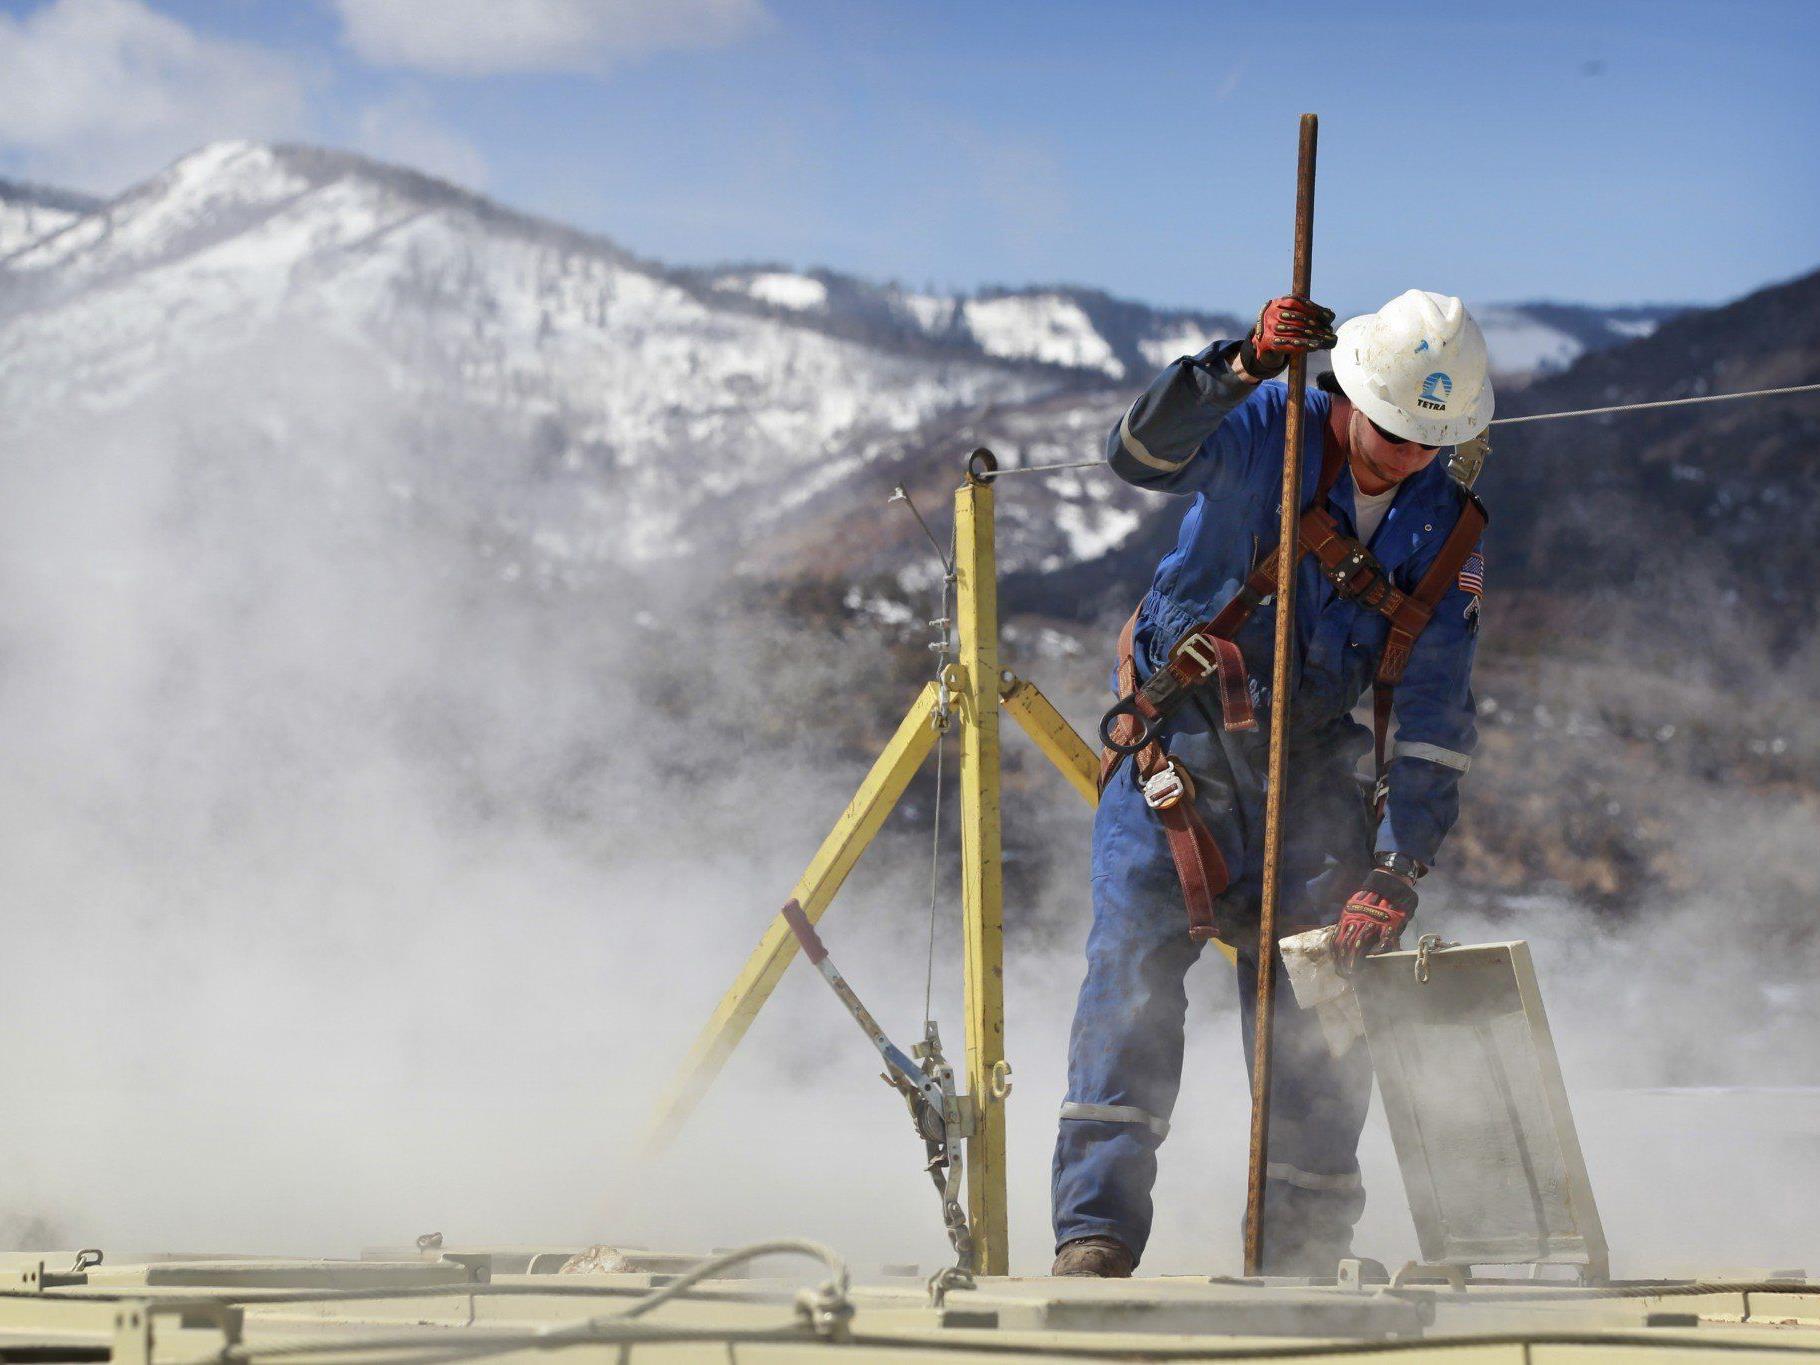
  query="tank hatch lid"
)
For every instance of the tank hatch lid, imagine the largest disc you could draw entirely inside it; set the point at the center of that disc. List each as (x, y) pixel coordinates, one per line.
(1477, 1108)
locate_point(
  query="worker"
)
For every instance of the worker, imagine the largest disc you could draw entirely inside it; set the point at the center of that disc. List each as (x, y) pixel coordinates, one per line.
(1412, 380)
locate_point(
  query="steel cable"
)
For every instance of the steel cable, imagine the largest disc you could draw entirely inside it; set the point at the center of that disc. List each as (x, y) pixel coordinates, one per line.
(1658, 403)
(935, 868)
(1496, 421)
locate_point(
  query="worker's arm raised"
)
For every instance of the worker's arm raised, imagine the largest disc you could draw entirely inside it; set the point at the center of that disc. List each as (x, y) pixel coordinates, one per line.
(1175, 438)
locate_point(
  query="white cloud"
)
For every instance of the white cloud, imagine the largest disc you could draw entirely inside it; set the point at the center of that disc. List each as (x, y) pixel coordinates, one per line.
(403, 128)
(98, 93)
(474, 37)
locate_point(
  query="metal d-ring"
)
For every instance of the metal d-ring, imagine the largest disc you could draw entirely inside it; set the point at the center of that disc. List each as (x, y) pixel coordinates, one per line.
(1147, 725)
(982, 464)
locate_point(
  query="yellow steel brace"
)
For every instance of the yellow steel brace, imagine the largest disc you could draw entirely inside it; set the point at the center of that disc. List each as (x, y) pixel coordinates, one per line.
(864, 814)
(1051, 733)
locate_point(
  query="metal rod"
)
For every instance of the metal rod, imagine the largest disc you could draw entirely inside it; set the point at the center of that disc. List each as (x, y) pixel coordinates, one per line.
(1288, 553)
(901, 494)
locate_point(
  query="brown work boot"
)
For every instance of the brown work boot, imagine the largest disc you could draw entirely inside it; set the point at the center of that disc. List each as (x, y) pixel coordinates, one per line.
(1103, 1258)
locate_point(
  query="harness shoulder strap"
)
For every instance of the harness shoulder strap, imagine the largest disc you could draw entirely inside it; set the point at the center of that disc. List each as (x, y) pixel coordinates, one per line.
(1316, 527)
(1411, 616)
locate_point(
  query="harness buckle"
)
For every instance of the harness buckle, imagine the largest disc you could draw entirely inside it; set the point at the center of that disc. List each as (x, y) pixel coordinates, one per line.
(1360, 578)
(1167, 787)
(1196, 648)
(1343, 569)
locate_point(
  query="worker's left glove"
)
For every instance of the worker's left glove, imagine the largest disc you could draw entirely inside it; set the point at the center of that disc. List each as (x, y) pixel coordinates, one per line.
(1373, 919)
(1287, 325)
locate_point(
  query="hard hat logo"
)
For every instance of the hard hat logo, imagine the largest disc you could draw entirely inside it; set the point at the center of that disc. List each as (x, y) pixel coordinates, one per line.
(1418, 368)
(1435, 391)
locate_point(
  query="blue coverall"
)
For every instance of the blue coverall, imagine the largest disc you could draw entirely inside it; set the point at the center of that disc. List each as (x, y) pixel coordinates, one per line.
(1200, 432)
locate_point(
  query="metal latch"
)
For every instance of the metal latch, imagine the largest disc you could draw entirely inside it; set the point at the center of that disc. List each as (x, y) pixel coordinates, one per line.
(1000, 1087)
(1166, 787)
(478, 1264)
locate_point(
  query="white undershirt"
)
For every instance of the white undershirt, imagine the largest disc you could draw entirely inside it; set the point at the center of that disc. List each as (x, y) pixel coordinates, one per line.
(1368, 510)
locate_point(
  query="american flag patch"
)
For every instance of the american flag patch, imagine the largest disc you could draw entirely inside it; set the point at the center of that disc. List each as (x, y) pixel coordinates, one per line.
(1472, 574)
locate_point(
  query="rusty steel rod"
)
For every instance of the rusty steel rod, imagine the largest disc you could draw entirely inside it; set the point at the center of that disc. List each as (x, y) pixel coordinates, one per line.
(1288, 553)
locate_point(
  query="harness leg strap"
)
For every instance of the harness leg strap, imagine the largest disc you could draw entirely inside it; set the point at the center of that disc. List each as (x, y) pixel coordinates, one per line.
(1168, 790)
(1199, 864)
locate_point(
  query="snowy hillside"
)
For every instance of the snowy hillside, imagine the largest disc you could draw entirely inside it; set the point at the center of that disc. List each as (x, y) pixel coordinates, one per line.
(1121, 340)
(1079, 329)
(575, 407)
(30, 212)
(457, 323)
(1529, 341)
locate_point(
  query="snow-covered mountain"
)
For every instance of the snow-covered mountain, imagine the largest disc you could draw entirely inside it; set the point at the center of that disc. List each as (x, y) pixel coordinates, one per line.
(1090, 330)
(574, 406)
(1083, 329)
(457, 325)
(29, 212)
(1528, 341)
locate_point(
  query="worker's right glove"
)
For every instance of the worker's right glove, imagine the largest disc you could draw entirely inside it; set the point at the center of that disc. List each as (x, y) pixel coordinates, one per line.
(1287, 325)
(1373, 919)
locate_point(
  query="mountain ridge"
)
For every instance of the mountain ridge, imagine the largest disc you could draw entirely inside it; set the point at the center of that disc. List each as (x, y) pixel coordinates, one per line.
(1069, 327)
(29, 211)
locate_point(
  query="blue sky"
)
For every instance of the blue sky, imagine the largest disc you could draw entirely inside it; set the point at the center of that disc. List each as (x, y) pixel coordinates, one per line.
(1632, 150)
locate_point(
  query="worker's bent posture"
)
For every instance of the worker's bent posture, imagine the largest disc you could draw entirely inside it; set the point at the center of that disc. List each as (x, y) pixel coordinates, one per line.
(1413, 379)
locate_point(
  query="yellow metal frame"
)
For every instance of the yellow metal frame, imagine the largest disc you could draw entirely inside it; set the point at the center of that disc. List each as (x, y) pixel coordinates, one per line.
(982, 870)
(978, 688)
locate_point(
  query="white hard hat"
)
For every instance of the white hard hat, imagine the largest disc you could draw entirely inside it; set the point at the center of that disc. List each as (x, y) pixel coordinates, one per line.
(1417, 367)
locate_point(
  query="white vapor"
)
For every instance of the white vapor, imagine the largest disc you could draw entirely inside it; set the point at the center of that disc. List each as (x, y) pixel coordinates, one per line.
(372, 846)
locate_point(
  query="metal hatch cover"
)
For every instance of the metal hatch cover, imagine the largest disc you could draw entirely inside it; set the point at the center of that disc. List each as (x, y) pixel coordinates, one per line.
(1477, 1109)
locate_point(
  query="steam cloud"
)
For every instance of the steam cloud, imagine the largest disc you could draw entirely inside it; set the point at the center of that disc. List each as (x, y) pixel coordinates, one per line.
(366, 877)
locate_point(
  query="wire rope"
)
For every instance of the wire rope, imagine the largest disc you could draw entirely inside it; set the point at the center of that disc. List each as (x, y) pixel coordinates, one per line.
(1659, 403)
(935, 833)
(1496, 421)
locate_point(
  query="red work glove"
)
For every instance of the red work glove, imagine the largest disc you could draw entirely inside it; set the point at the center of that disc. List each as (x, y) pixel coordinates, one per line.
(1287, 325)
(1373, 919)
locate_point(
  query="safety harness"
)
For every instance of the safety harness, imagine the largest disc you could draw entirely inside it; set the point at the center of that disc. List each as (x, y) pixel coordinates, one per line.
(1208, 653)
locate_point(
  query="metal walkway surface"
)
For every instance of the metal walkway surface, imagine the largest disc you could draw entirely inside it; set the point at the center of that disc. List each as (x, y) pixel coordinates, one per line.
(607, 1304)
